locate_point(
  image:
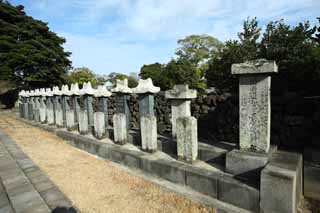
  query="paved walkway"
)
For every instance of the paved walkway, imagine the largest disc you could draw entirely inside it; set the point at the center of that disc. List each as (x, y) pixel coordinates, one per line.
(91, 184)
(23, 186)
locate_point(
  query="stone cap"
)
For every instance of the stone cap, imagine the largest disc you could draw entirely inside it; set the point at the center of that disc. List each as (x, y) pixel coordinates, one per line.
(31, 93)
(56, 91)
(122, 87)
(145, 86)
(181, 91)
(49, 92)
(23, 93)
(74, 90)
(37, 92)
(102, 92)
(65, 90)
(87, 89)
(43, 92)
(259, 66)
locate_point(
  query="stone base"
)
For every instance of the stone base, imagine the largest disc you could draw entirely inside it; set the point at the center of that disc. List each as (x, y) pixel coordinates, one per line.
(246, 163)
(281, 183)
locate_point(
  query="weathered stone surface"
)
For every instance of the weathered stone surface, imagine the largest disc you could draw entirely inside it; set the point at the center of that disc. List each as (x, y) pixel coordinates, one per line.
(43, 114)
(187, 138)
(120, 128)
(70, 119)
(281, 183)
(25, 110)
(255, 106)
(241, 162)
(181, 91)
(122, 87)
(148, 128)
(179, 108)
(83, 122)
(59, 117)
(260, 66)
(99, 125)
(145, 86)
(88, 99)
(50, 116)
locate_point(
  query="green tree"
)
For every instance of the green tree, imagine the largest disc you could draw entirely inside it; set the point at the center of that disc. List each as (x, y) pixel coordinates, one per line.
(156, 72)
(132, 82)
(84, 74)
(30, 54)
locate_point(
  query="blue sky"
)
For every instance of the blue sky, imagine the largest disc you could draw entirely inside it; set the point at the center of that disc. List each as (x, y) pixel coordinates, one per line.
(122, 35)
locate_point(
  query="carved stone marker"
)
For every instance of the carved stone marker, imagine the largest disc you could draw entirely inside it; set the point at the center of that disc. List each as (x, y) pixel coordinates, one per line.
(102, 95)
(187, 138)
(255, 103)
(43, 106)
(120, 128)
(255, 109)
(87, 92)
(31, 105)
(99, 125)
(36, 110)
(74, 91)
(180, 97)
(50, 108)
(148, 122)
(57, 107)
(122, 92)
(83, 122)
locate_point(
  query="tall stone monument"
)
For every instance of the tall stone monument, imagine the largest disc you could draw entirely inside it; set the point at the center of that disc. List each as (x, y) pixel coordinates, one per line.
(180, 97)
(122, 116)
(75, 99)
(101, 117)
(87, 93)
(148, 122)
(58, 115)
(50, 109)
(254, 109)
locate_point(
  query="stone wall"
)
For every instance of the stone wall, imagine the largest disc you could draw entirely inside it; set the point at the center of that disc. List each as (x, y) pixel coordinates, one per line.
(295, 119)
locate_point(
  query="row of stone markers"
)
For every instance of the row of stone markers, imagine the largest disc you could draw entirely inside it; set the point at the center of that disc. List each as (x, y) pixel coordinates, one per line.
(62, 108)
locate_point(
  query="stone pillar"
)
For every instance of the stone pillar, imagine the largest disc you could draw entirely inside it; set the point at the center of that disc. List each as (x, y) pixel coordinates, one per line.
(87, 93)
(187, 139)
(75, 101)
(31, 105)
(83, 122)
(68, 114)
(36, 109)
(50, 109)
(43, 106)
(26, 106)
(99, 125)
(21, 101)
(180, 97)
(58, 107)
(122, 97)
(120, 128)
(148, 122)
(255, 109)
(102, 95)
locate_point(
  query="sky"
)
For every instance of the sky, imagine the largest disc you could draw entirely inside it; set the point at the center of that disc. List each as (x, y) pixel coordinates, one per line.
(122, 35)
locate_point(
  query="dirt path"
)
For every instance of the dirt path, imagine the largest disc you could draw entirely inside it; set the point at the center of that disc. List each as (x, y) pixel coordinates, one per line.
(93, 185)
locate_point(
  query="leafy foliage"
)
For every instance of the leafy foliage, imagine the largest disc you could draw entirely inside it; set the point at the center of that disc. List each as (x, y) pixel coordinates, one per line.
(30, 54)
(132, 82)
(296, 51)
(84, 74)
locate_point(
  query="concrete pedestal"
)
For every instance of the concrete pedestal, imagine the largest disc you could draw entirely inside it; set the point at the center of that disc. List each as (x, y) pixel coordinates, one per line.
(83, 122)
(99, 125)
(148, 128)
(120, 128)
(70, 123)
(59, 118)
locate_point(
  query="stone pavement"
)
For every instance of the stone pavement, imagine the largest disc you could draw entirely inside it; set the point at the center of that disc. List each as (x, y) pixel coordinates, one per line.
(23, 186)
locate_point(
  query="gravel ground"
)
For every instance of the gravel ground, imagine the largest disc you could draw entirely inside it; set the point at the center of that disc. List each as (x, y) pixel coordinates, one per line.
(92, 184)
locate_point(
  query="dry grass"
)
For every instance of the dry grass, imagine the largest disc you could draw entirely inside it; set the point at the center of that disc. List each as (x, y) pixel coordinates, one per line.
(93, 185)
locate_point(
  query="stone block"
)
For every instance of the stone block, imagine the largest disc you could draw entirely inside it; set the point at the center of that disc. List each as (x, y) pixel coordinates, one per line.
(312, 155)
(25, 110)
(148, 128)
(59, 118)
(99, 125)
(36, 115)
(120, 128)
(169, 170)
(83, 122)
(203, 181)
(50, 116)
(281, 183)
(187, 138)
(238, 193)
(239, 162)
(70, 122)
(43, 114)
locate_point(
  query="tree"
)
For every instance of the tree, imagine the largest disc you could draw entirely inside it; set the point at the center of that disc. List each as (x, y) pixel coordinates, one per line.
(156, 72)
(132, 82)
(84, 74)
(295, 49)
(30, 54)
